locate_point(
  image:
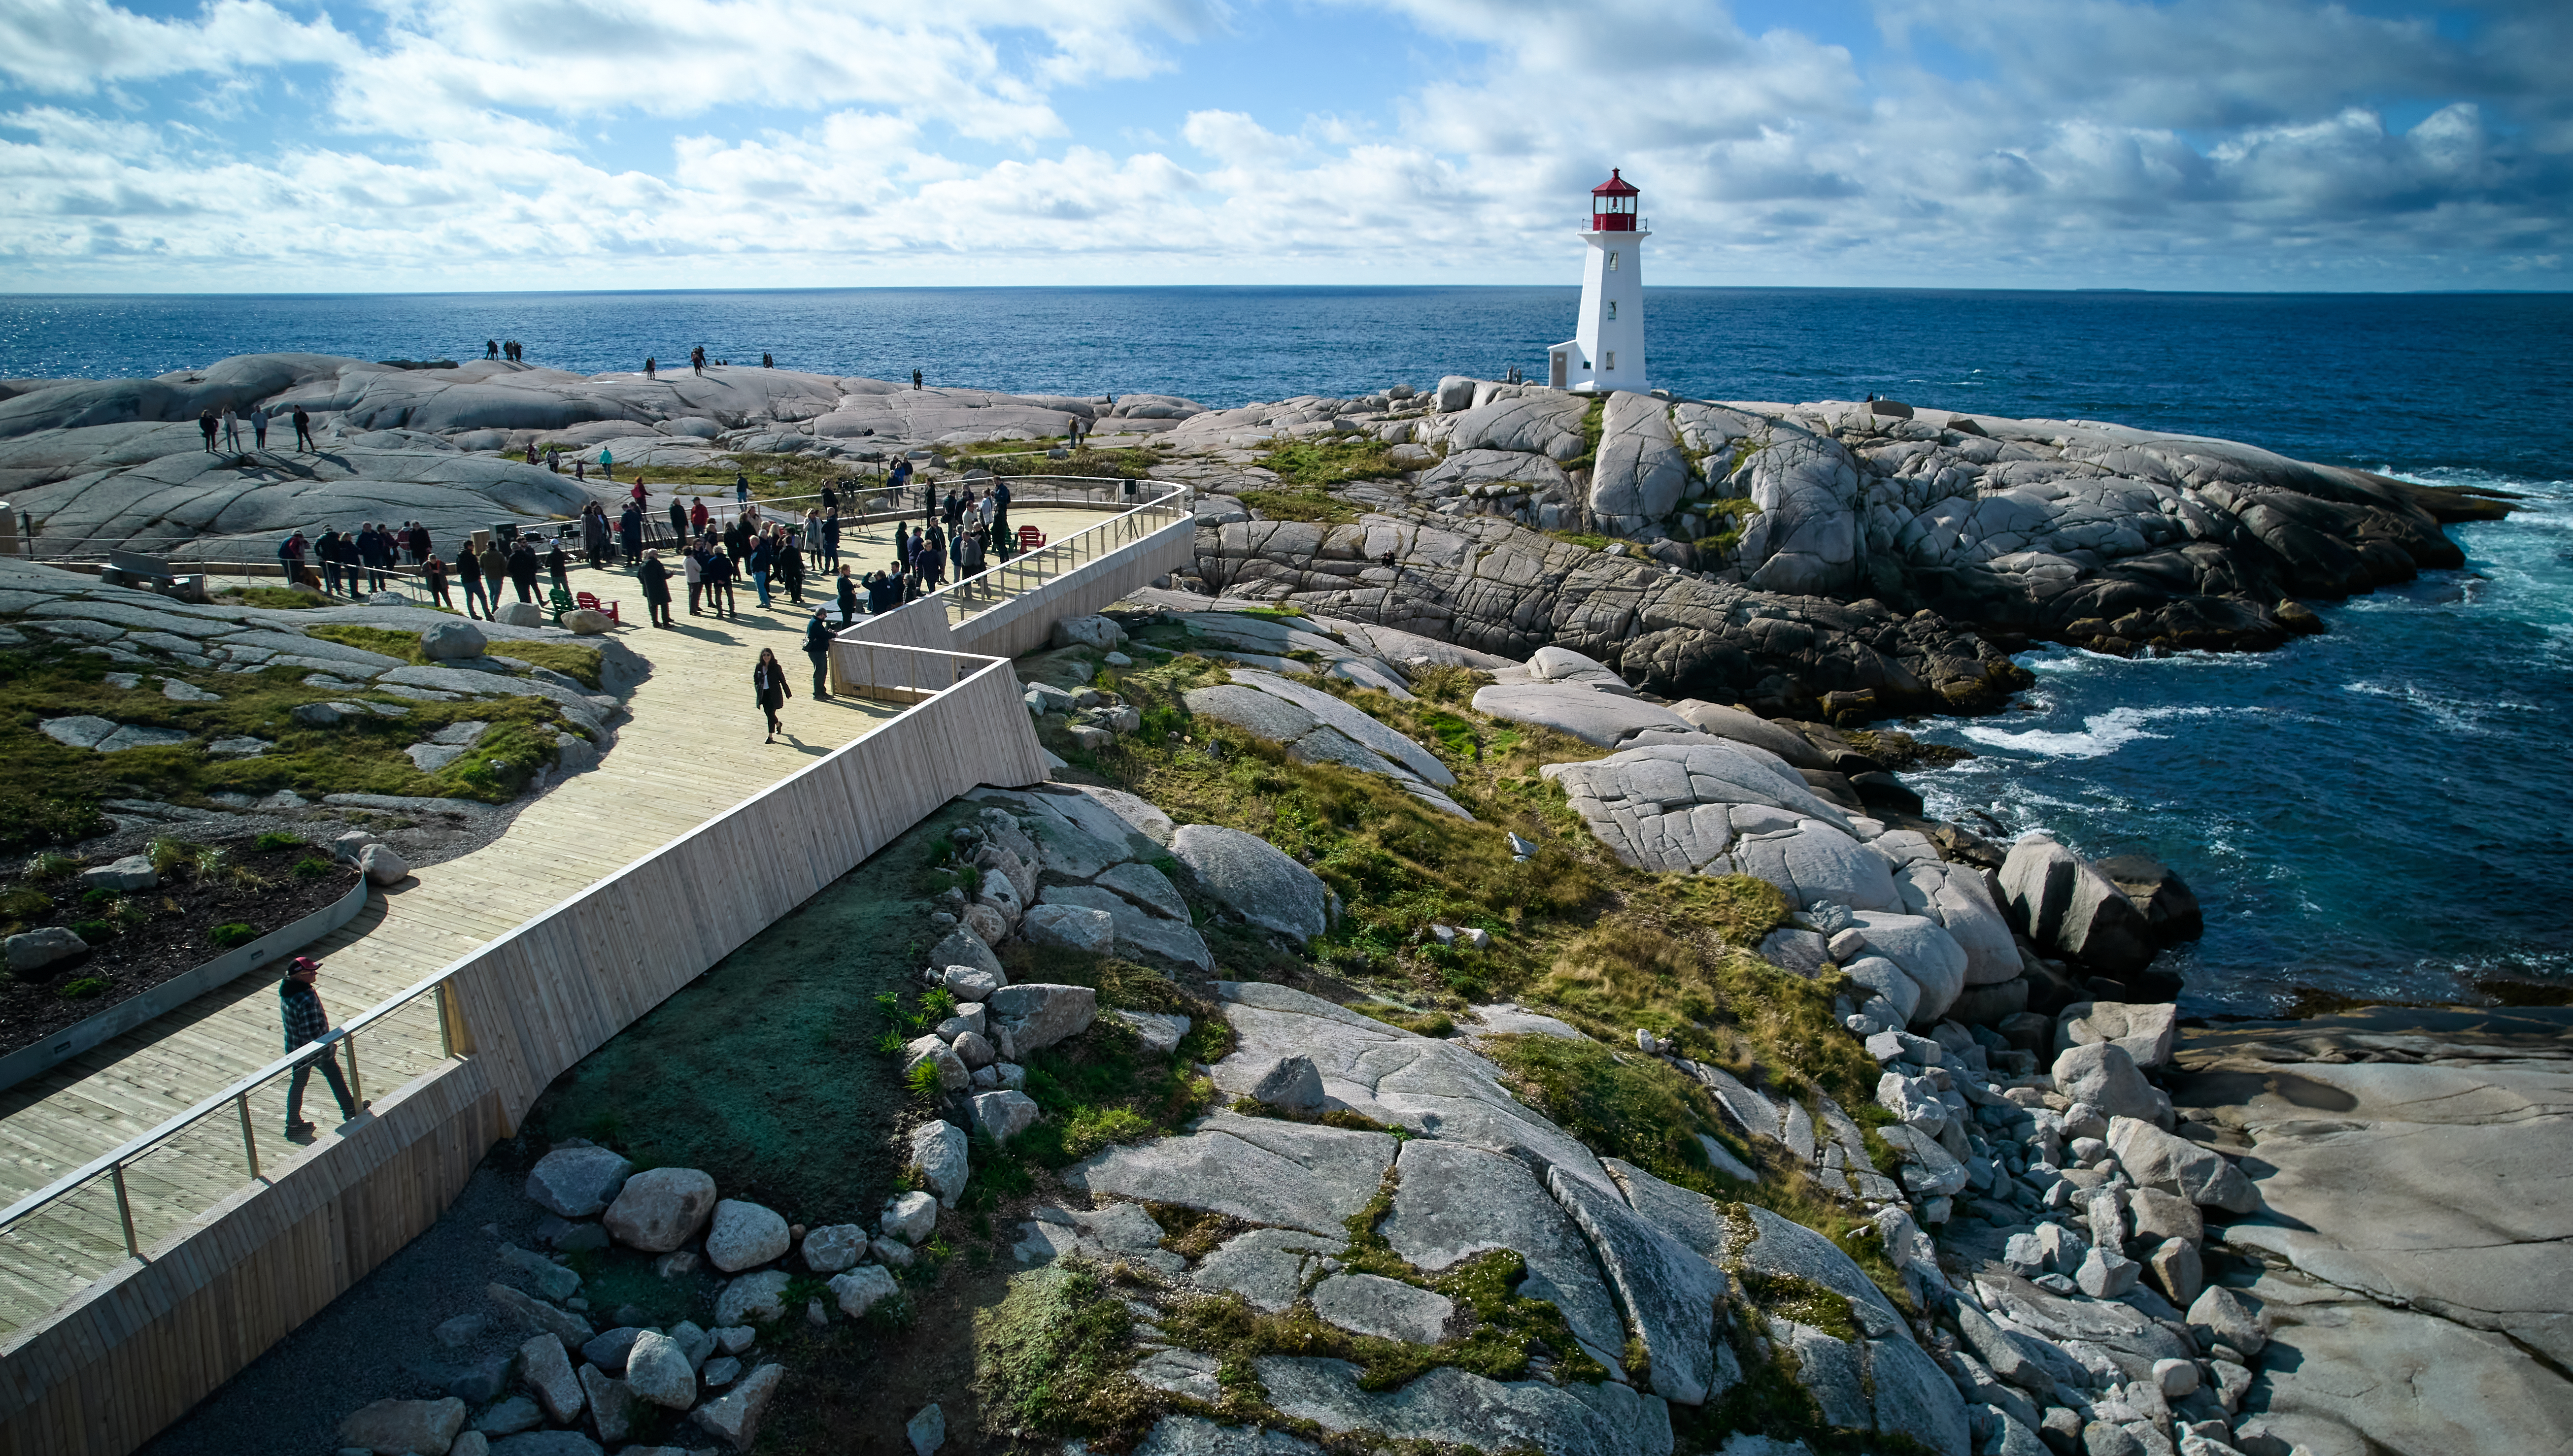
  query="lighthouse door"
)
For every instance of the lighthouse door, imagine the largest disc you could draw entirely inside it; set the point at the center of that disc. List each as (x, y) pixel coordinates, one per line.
(1557, 371)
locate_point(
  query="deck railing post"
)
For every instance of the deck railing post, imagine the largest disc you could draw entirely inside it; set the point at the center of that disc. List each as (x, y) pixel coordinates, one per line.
(446, 1032)
(356, 1084)
(250, 1144)
(124, 1208)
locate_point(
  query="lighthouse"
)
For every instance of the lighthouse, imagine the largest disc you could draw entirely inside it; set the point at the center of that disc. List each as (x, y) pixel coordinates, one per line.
(1607, 351)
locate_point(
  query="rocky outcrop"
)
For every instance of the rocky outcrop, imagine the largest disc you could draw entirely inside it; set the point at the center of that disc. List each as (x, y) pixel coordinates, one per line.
(2410, 1234)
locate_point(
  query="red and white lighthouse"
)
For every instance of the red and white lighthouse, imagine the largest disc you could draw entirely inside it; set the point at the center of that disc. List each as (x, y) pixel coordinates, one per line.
(1607, 351)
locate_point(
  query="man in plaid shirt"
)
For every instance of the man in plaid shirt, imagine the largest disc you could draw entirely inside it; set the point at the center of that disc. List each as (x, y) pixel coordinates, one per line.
(306, 1024)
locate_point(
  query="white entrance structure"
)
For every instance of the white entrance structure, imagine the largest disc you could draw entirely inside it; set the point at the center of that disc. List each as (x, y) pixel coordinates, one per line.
(1608, 351)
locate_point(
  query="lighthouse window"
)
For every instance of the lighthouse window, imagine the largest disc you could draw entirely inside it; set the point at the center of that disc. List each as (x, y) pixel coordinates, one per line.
(1612, 262)
(1612, 360)
(1612, 307)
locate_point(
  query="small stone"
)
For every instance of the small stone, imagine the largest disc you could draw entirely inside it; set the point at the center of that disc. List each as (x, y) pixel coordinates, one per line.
(937, 1154)
(732, 1339)
(734, 1417)
(393, 1427)
(893, 1251)
(609, 1351)
(118, 877)
(547, 1372)
(813, 1314)
(462, 1331)
(744, 1237)
(2105, 1273)
(676, 1266)
(2175, 1377)
(2178, 1269)
(926, 1431)
(834, 1247)
(1003, 1115)
(611, 1403)
(1291, 1084)
(972, 1049)
(510, 1417)
(720, 1371)
(967, 983)
(861, 1288)
(383, 865)
(758, 1298)
(911, 1217)
(662, 1208)
(2222, 1317)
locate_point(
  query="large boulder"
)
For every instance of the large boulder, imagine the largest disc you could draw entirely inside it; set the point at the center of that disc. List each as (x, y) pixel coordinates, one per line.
(1641, 474)
(1252, 879)
(2065, 905)
(1679, 807)
(1072, 927)
(520, 614)
(123, 876)
(1754, 730)
(2170, 907)
(2145, 1029)
(34, 950)
(577, 1183)
(1955, 895)
(662, 1209)
(938, 1155)
(448, 641)
(1925, 952)
(1545, 423)
(1095, 633)
(2104, 1076)
(2158, 1159)
(1034, 1016)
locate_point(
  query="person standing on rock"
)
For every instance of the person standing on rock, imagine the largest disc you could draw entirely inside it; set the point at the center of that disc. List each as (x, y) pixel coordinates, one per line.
(307, 1025)
(302, 430)
(915, 378)
(697, 358)
(606, 464)
(206, 426)
(232, 430)
(656, 588)
(768, 688)
(258, 427)
(490, 349)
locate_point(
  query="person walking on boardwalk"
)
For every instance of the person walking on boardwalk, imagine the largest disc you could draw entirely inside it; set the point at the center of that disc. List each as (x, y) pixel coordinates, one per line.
(523, 570)
(468, 571)
(719, 573)
(656, 588)
(306, 1023)
(768, 687)
(629, 528)
(434, 572)
(848, 595)
(817, 645)
(692, 562)
(763, 559)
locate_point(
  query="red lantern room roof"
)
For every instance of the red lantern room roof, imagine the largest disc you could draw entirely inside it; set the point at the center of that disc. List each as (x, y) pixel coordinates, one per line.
(1615, 186)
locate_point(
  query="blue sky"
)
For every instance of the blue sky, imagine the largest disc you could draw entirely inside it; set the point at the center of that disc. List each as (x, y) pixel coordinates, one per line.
(400, 145)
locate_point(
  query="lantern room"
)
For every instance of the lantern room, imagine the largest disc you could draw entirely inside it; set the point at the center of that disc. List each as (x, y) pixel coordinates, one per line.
(1612, 205)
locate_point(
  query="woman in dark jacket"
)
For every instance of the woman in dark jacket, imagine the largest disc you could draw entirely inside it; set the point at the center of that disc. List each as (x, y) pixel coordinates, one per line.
(558, 566)
(434, 572)
(768, 687)
(656, 588)
(848, 595)
(593, 533)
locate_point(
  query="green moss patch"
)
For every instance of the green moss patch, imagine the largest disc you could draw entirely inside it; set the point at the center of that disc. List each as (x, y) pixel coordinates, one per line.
(1051, 1359)
(569, 658)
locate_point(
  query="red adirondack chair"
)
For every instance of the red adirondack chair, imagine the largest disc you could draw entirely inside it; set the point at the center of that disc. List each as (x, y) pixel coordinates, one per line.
(591, 602)
(1029, 538)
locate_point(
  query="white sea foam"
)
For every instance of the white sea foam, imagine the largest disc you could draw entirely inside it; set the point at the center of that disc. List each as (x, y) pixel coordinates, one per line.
(2099, 736)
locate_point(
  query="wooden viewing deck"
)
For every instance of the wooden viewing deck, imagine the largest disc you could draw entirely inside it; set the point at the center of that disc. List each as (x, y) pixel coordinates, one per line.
(690, 750)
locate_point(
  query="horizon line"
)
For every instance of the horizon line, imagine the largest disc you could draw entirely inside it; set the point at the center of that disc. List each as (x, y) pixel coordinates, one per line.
(1282, 288)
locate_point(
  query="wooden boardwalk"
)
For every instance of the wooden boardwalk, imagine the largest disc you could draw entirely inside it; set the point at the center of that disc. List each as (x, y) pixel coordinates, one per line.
(692, 748)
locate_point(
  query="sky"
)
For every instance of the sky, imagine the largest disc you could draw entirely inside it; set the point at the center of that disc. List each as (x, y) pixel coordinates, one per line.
(465, 144)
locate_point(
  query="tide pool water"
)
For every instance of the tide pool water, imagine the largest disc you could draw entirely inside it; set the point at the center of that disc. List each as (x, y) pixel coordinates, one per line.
(2374, 813)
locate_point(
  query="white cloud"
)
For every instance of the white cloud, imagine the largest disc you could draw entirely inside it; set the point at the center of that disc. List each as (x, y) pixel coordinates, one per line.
(469, 143)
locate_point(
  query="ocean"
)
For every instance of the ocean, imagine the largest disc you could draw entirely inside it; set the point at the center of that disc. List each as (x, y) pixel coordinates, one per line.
(2372, 814)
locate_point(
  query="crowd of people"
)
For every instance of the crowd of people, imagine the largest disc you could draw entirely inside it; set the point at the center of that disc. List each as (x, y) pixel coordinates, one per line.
(770, 552)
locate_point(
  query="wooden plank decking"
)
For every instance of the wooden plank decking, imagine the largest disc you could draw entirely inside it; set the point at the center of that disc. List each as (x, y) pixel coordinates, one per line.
(691, 749)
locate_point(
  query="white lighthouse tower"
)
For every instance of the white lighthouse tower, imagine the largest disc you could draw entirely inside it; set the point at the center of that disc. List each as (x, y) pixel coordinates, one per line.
(1608, 351)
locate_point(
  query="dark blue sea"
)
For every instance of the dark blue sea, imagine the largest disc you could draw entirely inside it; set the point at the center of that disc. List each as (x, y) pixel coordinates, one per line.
(2379, 811)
